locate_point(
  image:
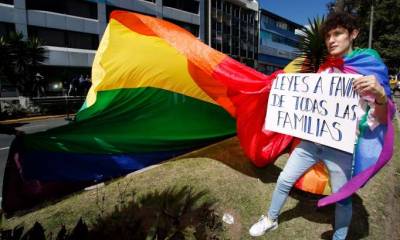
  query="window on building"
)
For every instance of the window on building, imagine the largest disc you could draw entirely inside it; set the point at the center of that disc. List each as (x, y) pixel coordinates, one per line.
(226, 6)
(226, 28)
(243, 16)
(226, 48)
(235, 11)
(6, 28)
(266, 68)
(218, 26)
(110, 8)
(11, 2)
(270, 21)
(62, 38)
(235, 45)
(265, 37)
(291, 28)
(282, 25)
(185, 5)
(267, 22)
(78, 8)
(82, 40)
(48, 36)
(218, 45)
(283, 40)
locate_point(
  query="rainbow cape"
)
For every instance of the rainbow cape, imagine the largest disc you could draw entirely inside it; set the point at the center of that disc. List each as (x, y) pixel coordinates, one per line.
(157, 92)
(374, 147)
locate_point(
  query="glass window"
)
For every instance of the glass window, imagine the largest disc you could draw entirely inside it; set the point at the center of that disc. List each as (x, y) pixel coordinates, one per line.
(62, 38)
(48, 36)
(82, 40)
(291, 28)
(11, 2)
(287, 41)
(282, 25)
(186, 5)
(267, 21)
(71, 7)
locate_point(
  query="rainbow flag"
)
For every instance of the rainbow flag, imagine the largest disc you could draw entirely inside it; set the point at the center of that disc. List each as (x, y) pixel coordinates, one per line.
(157, 92)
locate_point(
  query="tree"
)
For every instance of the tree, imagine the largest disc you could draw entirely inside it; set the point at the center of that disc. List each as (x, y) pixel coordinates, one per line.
(6, 66)
(20, 60)
(312, 46)
(386, 30)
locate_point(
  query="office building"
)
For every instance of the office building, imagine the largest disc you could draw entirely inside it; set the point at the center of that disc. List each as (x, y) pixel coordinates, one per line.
(234, 28)
(71, 29)
(278, 42)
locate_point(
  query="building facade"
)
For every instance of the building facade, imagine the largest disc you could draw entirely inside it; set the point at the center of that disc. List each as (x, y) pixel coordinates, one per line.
(233, 28)
(278, 42)
(71, 29)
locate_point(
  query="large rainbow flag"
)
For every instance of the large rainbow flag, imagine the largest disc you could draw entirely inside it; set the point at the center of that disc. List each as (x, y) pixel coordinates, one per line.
(157, 92)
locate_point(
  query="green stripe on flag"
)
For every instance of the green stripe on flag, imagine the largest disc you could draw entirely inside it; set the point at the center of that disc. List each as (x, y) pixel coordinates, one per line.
(138, 120)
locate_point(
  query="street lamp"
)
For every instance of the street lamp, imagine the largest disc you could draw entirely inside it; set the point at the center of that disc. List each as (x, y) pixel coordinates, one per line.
(371, 23)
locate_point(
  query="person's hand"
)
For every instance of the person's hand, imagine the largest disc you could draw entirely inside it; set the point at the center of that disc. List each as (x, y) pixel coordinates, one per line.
(369, 85)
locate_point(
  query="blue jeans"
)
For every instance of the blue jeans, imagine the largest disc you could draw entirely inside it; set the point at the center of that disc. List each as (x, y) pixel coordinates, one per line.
(339, 165)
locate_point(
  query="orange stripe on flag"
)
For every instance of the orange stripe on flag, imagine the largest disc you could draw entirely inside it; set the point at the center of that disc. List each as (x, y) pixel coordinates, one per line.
(202, 60)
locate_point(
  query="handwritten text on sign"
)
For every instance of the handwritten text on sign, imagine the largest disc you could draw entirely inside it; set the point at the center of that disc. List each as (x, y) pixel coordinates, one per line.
(323, 108)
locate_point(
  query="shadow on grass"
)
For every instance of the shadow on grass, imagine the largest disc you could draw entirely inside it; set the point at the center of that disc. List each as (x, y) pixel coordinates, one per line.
(230, 153)
(307, 209)
(170, 214)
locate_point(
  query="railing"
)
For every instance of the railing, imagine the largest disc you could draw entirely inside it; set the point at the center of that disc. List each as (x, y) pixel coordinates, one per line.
(18, 106)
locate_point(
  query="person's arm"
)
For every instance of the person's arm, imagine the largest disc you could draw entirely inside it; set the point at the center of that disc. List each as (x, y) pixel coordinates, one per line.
(369, 85)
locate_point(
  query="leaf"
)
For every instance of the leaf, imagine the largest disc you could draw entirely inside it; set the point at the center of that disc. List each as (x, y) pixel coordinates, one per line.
(62, 234)
(80, 231)
(35, 233)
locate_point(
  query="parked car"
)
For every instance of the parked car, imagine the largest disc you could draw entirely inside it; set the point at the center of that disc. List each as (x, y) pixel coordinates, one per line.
(394, 84)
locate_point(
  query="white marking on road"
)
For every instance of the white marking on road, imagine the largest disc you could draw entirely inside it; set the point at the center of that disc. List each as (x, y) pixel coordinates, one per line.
(4, 148)
(27, 127)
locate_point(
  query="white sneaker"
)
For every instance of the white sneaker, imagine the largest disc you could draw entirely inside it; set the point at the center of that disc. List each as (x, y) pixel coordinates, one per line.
(263, 225)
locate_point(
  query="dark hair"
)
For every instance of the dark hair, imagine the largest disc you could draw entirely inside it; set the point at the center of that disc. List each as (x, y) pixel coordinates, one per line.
(339, 19)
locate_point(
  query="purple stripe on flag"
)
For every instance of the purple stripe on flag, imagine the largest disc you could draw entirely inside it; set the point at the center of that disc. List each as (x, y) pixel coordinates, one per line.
(358, 181)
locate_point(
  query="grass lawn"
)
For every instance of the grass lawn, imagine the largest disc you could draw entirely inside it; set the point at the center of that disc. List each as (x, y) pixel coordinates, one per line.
(241, 190)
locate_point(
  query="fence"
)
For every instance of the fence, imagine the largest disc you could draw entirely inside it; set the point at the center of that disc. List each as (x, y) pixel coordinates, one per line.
(22, 106)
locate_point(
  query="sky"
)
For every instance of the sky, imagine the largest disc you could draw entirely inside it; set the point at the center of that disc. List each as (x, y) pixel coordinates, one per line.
(297, 11)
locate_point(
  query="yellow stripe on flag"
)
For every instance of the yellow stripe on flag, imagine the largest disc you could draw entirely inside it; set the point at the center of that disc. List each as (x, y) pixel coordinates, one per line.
(126, 59)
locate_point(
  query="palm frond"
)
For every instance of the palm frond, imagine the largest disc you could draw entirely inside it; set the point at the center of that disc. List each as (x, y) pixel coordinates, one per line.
(312, 46)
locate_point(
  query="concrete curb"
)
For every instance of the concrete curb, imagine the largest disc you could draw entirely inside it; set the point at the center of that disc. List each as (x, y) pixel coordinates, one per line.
(37, 118)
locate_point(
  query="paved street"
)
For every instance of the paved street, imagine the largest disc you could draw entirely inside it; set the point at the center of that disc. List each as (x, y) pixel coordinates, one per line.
(27, 127)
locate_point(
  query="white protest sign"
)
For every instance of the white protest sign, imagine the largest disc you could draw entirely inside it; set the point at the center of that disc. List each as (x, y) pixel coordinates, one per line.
(322, 108)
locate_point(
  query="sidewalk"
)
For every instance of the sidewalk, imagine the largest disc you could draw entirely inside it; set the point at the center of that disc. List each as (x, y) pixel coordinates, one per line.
(34, 118)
